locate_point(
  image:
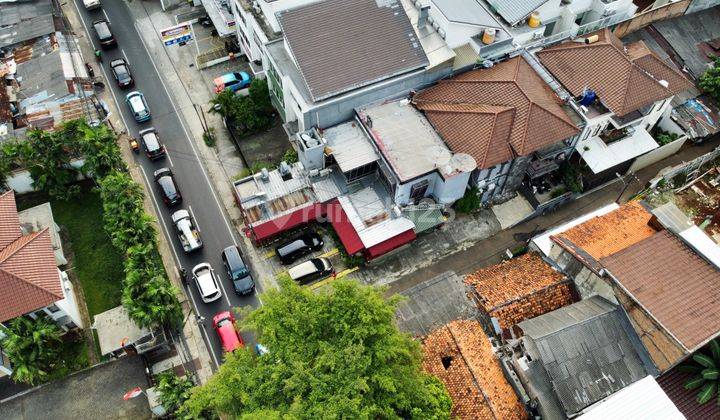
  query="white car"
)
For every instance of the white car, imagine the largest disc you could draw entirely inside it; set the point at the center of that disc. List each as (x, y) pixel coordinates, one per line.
(187, 231)
(91, 4)
(206, 282)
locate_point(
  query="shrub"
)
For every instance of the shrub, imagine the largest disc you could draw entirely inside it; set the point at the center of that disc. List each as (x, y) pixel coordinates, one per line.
(290, 156)
(470, 201)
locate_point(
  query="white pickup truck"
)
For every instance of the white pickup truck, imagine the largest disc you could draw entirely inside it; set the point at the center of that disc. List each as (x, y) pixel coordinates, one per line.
(91, 4)
(187, 231)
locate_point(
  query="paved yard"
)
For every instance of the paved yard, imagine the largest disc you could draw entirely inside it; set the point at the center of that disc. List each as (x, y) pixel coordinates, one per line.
(95, 393)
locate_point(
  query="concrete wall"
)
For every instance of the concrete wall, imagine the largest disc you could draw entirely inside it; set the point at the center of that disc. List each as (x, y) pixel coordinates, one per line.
(657, 155)
(22, 182)
(68, 305)
(642, 20)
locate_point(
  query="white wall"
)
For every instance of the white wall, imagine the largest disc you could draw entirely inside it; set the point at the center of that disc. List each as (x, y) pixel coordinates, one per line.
(21, 181)
(448, 191)
(402, 192)
(657, 155)
(68, 305)
(456, 34)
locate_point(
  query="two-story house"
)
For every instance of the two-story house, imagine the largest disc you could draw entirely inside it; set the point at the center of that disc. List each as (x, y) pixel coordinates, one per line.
(621, 90)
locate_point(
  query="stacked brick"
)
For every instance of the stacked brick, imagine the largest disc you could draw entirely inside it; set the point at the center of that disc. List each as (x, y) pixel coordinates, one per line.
(461, 356)
(520, 289)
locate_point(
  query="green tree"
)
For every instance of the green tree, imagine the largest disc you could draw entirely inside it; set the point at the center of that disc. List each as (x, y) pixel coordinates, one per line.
(706, 368)
(125, 219)
(224, 104)
(173, 391)
(100, 149)
(33, 348)
(260, 96)
(8, 161)
(331, 355)
(469, 202)
(47, 157)
(710, 80)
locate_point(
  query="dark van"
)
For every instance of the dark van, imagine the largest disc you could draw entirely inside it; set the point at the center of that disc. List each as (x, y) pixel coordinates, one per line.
(237, 271)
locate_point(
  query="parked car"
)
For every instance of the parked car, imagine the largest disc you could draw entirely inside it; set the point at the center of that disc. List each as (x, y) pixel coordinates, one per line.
(121, 72)
(187, 231)
(310, 270)
(232, 81)
(168, 188)
(206, 282)
(91, 4)
(150, 141)
(290, 251)
(224, 325)
(136, 102)
(104, 34)
(237, 271)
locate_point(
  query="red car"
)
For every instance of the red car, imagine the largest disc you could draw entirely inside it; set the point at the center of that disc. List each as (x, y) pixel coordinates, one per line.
(224, 324)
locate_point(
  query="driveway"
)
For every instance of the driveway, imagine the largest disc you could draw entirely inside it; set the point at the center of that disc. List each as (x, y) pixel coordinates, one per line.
(94, 393)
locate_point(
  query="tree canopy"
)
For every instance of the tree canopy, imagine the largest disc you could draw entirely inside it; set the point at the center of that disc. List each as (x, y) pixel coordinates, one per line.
(33, 347)
(336, 354)
(710, 81)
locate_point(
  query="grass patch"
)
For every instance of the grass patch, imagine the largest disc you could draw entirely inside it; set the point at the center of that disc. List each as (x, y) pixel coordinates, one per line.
(74, 357)
(97, 264)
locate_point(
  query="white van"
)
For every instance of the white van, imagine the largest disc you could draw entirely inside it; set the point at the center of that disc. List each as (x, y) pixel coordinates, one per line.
(310, 270)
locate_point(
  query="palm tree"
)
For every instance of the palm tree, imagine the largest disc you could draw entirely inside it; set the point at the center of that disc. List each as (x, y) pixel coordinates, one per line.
(707, 372)
(173, 390)
(99, 147)
(33, 348)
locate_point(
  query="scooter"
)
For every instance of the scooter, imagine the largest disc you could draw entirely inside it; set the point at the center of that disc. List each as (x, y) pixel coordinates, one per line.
(90, 70)
(134, 145)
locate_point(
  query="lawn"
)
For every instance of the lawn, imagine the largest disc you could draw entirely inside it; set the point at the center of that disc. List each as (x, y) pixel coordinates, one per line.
(97, 264)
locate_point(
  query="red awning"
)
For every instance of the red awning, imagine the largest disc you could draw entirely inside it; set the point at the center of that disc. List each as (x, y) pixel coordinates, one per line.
(388, 245)
(299, 217)
(345, 230)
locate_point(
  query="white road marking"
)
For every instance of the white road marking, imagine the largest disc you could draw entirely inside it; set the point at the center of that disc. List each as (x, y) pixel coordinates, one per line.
(202, 327)
(188, 136)
(106, 16)
(169, 159)
(195, 220)
(124, 56)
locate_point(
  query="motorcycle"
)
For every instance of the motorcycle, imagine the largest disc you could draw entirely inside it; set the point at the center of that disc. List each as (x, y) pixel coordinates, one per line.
(90, 70)
(134, 145)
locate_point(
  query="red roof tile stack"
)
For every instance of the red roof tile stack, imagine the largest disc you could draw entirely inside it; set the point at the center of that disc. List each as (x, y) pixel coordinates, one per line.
(624, 81)
(29, 277)
(473, 376)
(496, 114)
(520, 289)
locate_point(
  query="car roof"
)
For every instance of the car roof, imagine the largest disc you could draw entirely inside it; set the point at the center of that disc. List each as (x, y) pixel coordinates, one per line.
(225, 78)
(137, 103)
(151, 140)
(302, 269)
(232, 254)
(205, 281)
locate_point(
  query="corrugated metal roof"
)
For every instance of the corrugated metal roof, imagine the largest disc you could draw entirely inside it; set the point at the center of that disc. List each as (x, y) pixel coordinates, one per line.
(514, 11)
(671, 217)
(336, 52)
(643, 400)
(350, 146)
(585, 350)
(467, 11)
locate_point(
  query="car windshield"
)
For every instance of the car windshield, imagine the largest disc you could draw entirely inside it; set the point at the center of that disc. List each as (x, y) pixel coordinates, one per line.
(223, 322)
(319, 264)
(240, 273)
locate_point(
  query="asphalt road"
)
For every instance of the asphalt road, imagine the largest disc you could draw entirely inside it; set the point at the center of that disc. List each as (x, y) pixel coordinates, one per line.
(199, 197)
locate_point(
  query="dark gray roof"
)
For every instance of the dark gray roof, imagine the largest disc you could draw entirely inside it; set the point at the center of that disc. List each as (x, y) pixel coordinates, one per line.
(586, 351)
(513, 11)
(43, 76)
(340, 45)
(433, 303)
(24, 21)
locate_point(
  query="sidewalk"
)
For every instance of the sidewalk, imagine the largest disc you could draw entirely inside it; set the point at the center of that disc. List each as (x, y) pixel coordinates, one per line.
(191, 332)
(492, 250)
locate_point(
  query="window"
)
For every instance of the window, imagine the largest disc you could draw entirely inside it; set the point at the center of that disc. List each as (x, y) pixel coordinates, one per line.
(360, 172)
(53, 308)
(418, 190)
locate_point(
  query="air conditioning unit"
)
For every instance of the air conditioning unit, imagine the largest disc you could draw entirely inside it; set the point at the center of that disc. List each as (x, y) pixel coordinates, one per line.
(538, 35)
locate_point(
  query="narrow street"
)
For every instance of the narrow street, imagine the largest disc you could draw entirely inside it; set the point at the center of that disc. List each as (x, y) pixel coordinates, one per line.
(199, 196)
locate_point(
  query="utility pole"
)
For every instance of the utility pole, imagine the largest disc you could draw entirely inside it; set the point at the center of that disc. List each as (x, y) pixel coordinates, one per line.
(626, 184)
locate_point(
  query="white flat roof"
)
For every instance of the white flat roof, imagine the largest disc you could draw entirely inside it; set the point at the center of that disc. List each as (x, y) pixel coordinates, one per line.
(378, 232)
(350, 146)
(406, 139)
(642, 400)
(600, 156)
(114, 327)
(543, 241)
(702, 244)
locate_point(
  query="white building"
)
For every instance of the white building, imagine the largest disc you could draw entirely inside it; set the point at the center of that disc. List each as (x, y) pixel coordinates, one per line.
(30, 279)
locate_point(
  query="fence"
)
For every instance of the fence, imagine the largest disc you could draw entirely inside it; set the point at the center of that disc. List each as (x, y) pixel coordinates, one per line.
(643, 19)
(691, 169)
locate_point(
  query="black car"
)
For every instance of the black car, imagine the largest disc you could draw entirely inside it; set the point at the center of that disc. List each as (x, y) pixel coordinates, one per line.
(151, 144)
(121, 72)
(295, 248)
(105, 36)
(237, 271)
(167, 186)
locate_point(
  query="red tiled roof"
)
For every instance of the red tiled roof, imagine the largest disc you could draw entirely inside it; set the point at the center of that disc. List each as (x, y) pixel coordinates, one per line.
(676, 286)
(673, 383)
(473, 376)
(497, 113)
(29, 277)
(611, 232)
(624, 81)
(520, 289)
(9, 221)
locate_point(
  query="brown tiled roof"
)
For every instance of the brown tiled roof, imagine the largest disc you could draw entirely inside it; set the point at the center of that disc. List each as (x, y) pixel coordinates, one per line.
(336, 51)
(9, 221)
(676, 286)
(496, 114)
(622, 84)
(520, 289)
(473, 378)
(673, 383)
(29, 277)
(611, 232)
